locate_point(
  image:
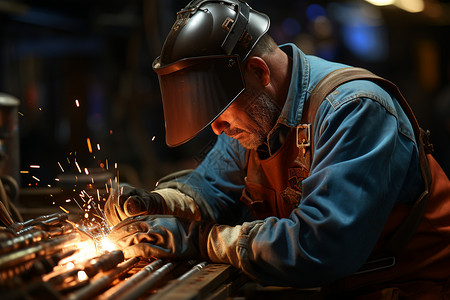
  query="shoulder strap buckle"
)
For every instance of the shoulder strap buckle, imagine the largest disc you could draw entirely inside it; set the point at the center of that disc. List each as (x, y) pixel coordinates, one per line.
(303, 140)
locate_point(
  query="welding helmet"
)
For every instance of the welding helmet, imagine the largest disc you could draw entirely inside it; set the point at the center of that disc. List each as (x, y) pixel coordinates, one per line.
(200, 67)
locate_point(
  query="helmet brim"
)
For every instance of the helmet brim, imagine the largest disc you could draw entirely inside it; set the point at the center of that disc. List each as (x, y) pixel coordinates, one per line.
(195, 92)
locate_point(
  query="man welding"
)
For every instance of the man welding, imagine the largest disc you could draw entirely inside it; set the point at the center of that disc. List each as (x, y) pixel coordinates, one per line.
(312, 182)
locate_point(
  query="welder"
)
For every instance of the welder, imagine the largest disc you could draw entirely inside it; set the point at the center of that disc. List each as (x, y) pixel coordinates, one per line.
(337, 191)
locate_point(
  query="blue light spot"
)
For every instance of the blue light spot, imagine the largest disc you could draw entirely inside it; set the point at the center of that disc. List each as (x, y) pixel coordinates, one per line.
(314, 11)
(367, 42)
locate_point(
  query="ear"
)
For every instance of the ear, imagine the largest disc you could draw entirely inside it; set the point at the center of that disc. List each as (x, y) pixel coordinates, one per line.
(256, 67)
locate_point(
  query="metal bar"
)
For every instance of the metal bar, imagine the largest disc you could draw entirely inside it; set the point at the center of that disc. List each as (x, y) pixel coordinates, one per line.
(200, 284)
(44, 248)
(121, 288)
(148, 282)
(178, 281)
(96, 287)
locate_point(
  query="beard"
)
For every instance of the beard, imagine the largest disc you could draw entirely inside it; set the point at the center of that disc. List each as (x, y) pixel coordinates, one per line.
(264, 112)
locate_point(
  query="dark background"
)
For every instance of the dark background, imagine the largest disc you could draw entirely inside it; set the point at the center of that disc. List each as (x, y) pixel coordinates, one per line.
(53, 53)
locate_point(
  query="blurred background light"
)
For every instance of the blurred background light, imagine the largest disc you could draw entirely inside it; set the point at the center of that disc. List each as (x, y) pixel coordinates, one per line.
(363, 30)
(315, 11)
(412, 6)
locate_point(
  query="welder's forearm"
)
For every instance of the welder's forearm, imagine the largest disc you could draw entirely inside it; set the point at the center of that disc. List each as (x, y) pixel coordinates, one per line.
(179, 204)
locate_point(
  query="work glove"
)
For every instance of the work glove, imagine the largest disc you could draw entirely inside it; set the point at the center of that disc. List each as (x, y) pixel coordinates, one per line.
(128, 201)
(161, 236)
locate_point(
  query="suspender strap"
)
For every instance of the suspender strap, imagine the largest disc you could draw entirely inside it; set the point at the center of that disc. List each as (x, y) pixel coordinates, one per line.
(338, 77)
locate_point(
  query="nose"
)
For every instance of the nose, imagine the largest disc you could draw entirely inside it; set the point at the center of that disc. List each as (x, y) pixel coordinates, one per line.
(219, 125)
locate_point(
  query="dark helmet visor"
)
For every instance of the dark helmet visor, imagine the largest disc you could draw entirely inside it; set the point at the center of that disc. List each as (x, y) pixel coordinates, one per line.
(195, 92)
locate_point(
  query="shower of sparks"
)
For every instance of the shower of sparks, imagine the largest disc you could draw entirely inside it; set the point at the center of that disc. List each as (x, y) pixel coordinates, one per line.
(92, 219)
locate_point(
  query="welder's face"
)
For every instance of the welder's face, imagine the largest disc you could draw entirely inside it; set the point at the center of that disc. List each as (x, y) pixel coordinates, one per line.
(248, 119)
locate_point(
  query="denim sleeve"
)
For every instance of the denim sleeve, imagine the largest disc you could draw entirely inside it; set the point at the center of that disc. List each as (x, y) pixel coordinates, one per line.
(361, 162)
(219, 181)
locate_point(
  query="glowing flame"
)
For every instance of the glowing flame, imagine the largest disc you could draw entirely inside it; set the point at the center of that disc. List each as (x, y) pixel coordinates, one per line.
(107, 245)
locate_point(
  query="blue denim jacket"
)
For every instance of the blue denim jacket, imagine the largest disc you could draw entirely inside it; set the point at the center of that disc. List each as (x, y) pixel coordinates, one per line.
(365, 160)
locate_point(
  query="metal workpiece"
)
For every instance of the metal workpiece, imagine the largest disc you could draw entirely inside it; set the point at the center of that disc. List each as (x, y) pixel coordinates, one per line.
(50, 257)
(102, 282)
(179, 281)
(22, 241)
(41, 249)
(103, 263)
(199, 284)
(148, 283)
(45, 220)
(123, 287)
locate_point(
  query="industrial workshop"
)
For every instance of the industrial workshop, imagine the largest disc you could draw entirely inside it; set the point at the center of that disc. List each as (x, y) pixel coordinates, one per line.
(225, 149)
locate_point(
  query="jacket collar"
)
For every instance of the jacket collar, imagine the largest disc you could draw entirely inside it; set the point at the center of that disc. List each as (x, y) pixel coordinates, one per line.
(291, 114)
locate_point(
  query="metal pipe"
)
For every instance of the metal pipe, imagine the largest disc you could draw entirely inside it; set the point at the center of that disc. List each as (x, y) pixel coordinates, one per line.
(41, 249)
(96, 287)
(103, 263)
(121, 288)
(179, 280)
(147, 283)
(22, 241)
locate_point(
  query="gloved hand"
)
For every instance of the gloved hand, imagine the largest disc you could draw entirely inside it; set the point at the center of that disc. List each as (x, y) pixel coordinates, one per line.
(161, 236)
(129, 201)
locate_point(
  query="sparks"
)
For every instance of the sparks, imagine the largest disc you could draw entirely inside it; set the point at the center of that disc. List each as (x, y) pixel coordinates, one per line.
(34, 166)
(86, 171)
(89, 145)
(60, 166)
(63, 209)
(35, 178)
(153, 138)
(77, 103)
(98, 147)
(78, 167)
(24, 172)
(20, 113)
